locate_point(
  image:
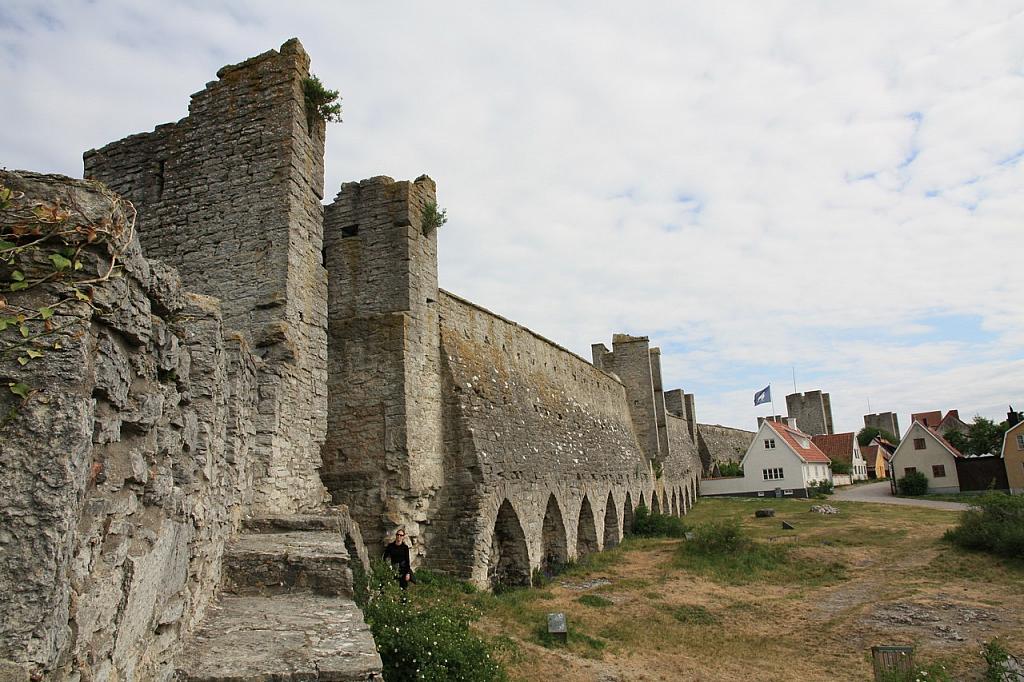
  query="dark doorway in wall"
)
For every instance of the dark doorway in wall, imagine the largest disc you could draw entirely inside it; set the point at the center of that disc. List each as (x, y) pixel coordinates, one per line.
(509, 564)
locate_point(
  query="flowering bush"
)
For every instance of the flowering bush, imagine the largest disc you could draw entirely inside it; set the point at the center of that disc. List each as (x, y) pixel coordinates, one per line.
(424, 638)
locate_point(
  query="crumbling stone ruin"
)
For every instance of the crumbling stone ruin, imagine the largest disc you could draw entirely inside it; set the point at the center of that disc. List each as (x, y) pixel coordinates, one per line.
(267, 389)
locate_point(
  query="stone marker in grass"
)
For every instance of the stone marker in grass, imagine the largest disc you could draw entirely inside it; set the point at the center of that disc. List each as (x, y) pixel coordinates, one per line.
(557, 627)
(764, 513)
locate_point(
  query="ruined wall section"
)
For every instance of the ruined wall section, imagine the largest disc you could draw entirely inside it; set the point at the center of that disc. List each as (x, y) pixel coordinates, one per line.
(683, 463)
(383, 456)
(123, 474)
(522, 411)
(230, 195)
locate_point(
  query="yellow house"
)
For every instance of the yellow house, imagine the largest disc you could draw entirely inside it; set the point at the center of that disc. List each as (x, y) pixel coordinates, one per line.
(1013, 457)
(924, 450)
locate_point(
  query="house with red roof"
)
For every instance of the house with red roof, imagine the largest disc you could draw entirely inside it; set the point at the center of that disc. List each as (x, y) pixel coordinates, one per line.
(780, 461)
(941, 424)
(843, 448)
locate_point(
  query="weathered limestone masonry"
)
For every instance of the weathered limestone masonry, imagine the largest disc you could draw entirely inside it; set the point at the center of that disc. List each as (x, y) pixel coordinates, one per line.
(886, 421)
(383, 455)
(542, 461)
(230, 196)
(812, 411)
(124, 475)
(722, 443)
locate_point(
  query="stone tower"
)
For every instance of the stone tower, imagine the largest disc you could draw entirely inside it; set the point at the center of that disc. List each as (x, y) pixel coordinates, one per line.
(383, 455)
(638, 366)
(812, 411)
(230, 196)
(884, 420)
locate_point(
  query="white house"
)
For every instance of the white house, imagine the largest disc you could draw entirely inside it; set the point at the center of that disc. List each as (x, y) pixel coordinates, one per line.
(924, 450)
(781, 461)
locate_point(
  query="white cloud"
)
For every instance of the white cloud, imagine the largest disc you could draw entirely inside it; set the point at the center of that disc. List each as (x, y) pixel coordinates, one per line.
(749, 180)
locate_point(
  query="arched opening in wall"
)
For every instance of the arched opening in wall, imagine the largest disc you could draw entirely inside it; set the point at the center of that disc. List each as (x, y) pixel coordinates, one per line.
(554, 545)
(627, 515)
(674, 509)
(509, 563)
(641, 503)
(611, 523)
(586, 531)
(684, 506)
(655, 503)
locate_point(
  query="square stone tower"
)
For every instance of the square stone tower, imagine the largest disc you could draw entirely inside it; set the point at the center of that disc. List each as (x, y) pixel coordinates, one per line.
(812, 411)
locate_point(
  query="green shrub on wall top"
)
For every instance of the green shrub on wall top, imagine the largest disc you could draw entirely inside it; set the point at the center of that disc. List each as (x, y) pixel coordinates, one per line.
(320, 101)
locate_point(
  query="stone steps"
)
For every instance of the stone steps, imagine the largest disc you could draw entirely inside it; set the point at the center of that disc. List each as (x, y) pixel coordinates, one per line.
(286, 611)
(299, 636)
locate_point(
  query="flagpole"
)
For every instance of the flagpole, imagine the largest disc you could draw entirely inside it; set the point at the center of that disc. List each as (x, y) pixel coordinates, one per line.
(773, 401)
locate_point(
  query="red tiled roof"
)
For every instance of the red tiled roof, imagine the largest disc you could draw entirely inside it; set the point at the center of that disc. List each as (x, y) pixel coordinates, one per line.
(933, 418)
(870, 454)
(836, 446)
(956, 453)
(793, 438)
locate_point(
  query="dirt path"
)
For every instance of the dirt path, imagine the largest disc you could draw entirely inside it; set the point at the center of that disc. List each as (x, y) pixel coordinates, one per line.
(881, 493)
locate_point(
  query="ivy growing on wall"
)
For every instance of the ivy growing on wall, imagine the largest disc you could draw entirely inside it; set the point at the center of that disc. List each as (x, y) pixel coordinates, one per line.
(43, 269)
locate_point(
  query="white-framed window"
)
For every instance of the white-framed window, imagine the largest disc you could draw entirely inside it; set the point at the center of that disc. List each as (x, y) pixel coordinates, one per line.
(773, 474)
(769, 443)
(1020, 441)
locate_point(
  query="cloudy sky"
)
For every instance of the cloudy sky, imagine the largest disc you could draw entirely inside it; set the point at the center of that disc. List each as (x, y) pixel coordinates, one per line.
(762, 186)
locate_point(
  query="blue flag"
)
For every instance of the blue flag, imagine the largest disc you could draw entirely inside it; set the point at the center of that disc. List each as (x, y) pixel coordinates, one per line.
(763, 396)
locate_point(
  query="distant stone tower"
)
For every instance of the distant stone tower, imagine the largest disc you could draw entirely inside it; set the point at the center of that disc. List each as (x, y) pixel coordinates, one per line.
(885, 421)
(812, 411)
(383, 455)
(638, 366)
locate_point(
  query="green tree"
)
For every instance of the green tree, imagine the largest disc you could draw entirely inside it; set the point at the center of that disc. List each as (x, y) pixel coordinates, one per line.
(983, 437)
(867, 434)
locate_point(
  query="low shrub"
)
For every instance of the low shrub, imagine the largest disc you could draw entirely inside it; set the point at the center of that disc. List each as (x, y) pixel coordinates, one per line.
(722, 551)
(841, 467)
(914, 483)
(595, 600)
(995, 524)
(730, 469)
(996, 657)
(425, 639)
(822, 487)
(649, 524)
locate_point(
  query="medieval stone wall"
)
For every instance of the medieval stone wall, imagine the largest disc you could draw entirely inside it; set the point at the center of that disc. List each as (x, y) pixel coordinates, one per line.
(722, 443)
(126, 469)
(230, 195)
(536, 430)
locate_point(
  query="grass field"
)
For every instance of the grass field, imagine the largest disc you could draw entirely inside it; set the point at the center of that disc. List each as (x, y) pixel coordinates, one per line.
(805, 604)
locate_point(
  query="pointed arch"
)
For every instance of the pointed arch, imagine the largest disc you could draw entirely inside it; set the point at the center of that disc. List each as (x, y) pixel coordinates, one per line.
(641, 503)
(554, 545)
(683, 506)
(586, 531)
(655, 503)
(509, 562)
(674, 509)
(627, 515)
(611, 523)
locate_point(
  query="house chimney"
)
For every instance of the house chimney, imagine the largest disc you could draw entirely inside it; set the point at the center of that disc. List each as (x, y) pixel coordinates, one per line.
(791, 423)
(953, 413)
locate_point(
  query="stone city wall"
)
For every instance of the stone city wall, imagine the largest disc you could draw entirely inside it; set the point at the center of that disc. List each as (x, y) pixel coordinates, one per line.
(230, 196)
(722, 443)
(531, 424)
(128, 465)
